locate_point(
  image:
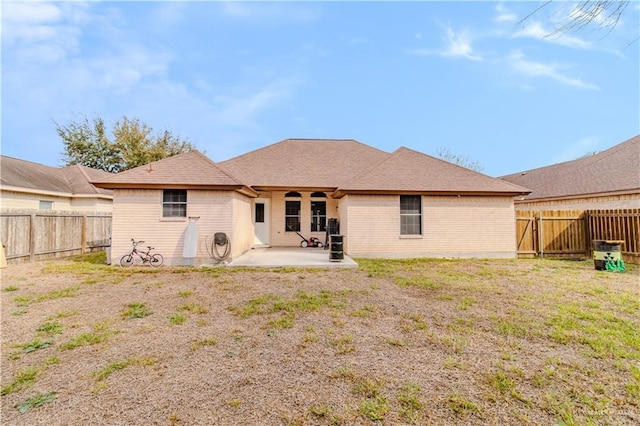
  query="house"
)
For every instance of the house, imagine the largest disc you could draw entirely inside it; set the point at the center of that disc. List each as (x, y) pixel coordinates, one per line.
(400, 204)
(607, 180)
(31, 186)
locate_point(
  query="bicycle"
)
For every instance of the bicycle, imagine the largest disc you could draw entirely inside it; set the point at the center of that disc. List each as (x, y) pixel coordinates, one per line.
(154, 259)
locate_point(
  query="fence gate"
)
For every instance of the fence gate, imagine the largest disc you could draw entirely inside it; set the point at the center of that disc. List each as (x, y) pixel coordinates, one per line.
(558, 234)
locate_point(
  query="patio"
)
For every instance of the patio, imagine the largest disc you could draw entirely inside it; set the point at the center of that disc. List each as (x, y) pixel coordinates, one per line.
(274, 257)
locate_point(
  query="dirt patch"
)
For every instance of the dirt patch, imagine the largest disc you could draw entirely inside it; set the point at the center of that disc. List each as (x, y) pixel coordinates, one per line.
(424, 342)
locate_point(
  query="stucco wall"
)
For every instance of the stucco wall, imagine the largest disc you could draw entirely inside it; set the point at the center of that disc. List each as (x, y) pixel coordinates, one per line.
(452, 227)
(138, 214)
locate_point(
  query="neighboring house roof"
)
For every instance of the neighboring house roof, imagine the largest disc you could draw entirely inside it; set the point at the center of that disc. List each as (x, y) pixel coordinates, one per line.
(189, 170)
(305, 163)
(339, 166)
(16, 174)
(614, 171)
(406, 170)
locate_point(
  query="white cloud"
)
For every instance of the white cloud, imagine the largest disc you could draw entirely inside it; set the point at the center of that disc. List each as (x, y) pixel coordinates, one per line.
(30, 13)
(537, 31)
(45, 32)
(504, 16)
(457, 45)
(520, 64)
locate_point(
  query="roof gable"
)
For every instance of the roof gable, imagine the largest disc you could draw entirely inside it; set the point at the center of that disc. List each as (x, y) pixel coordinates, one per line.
(613, 170)
(305, 163)
(189, 169)
(407, 170)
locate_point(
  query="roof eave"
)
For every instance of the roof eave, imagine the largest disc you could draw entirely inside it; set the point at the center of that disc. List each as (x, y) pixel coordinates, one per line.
(342, 192)
(243, 189)
(44, 192)
(294, 188)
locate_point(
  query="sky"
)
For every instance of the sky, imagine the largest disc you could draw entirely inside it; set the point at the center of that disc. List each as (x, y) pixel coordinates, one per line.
(472, 78)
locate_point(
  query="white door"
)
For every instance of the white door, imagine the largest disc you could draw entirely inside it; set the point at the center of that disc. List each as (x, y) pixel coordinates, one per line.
(261, 222)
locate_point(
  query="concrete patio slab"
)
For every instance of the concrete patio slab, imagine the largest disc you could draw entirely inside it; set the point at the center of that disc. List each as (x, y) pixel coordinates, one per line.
(276, 257)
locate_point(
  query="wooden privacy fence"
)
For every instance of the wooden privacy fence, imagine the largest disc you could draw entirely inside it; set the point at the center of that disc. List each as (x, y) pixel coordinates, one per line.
(570, 233)
(30, 235)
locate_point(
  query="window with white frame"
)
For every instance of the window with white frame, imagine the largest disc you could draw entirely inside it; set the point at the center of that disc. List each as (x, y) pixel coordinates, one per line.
(318, 216)
(410, 215)
(292, 216)
(174, 203)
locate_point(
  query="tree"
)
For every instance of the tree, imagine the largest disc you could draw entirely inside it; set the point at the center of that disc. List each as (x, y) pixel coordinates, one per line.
(460, 160)
(133, 144)
(602, 13)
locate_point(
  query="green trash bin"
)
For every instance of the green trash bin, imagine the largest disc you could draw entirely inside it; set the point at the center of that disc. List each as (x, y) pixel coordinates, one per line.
(606, 251)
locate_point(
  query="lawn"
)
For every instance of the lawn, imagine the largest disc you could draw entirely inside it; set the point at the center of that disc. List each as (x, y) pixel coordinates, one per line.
(393, 342)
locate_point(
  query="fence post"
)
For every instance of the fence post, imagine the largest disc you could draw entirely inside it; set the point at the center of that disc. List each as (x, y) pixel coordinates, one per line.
(32, 237)
(83, 236)
(540, 236)
(587, 233)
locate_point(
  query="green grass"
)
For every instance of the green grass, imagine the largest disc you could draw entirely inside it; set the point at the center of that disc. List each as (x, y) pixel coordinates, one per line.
(52, 360)
(343, 344)
(36, 344)
(111, 368)
(10, 288)
(22, 380)
(461, 405)
(177, 319)
(50, 328)
(409, 401)
(320, 411)
(185, 293)
(203, 343)
(502, 381)
(52, 295)
(288, 308)
(100, 334)
(136, 310)
(375, 409)
(35, 401)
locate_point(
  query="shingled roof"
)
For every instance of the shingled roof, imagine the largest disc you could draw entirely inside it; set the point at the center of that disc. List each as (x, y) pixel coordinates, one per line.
(189, 170)
(76, 180)
(406, 170)
(337, 165)
(614, 171)
(305, 163)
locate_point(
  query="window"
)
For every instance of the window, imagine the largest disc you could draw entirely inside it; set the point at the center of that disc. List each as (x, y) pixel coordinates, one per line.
(410, 215)
(45, 205)
(174, 203)
(292, 216)
(259, 213)
(318, 216)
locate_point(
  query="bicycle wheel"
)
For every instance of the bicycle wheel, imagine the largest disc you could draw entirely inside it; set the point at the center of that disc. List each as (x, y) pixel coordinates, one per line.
(156, 260)
(126, 261)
